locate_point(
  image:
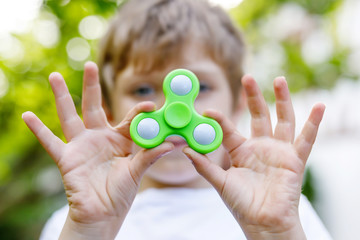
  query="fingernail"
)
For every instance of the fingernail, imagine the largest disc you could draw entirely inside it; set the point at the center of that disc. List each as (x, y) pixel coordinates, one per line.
(25, 113)
(165, 153)
(187, 155)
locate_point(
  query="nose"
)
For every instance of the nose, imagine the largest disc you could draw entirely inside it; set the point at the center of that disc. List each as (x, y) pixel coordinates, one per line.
(160, 100)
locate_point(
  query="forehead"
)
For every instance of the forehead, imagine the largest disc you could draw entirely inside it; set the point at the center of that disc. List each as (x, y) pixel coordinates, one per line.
(191, 58)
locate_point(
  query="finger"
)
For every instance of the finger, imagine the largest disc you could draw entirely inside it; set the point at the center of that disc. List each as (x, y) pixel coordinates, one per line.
(52, 144)
(70, 121)
(306, 139)
(93, 113)
(231, 137)
(146, 157)
(285, 127)
(124, 126)
(213, 173)
(260, 116)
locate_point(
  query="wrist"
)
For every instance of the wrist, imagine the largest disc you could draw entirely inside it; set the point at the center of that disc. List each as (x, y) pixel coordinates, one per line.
(99, 230)
(256, 232)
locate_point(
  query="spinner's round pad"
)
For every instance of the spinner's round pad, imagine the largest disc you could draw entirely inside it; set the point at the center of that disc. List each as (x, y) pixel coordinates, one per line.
(181, 85)
(204, 134)
(148, 128)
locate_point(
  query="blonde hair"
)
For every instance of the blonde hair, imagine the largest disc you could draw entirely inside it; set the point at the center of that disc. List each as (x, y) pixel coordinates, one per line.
(150, 33)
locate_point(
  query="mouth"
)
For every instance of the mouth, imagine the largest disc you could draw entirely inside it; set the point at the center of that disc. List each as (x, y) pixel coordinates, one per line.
(178, 141)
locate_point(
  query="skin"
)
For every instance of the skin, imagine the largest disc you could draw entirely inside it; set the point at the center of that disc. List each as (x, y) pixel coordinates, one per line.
(259, 179)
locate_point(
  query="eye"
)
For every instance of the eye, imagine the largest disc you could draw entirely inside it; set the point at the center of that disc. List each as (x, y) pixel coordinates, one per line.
(144, 90)
(204, 87)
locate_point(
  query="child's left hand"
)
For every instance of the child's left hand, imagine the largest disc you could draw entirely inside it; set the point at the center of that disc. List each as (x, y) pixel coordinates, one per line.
(263, 185)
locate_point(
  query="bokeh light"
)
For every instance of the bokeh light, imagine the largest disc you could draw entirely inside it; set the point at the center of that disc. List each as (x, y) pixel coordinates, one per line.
(317, 47)
(92, 27)
(353, 62)
(46, 30)
(279, 27)
(11, 50)
(348, 19)
(16, 15)
(78, 49)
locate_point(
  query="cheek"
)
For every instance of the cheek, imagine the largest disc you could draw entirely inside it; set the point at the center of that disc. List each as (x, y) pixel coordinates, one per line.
(220, 101)
(125, 104)
(121, 108)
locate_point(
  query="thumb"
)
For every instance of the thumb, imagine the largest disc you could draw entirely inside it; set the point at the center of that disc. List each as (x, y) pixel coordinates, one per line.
(213, 173)
(146, 157)
(124, 126)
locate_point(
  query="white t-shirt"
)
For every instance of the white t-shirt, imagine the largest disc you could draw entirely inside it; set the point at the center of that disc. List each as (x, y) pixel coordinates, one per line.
(181, 214)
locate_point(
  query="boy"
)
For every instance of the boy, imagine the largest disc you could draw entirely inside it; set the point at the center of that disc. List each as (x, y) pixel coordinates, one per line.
(259, 179)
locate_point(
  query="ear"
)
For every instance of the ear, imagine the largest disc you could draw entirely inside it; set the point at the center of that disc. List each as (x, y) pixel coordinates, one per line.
(240, 107)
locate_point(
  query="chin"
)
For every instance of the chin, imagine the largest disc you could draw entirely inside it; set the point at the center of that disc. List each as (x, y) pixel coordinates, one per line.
(173, 169)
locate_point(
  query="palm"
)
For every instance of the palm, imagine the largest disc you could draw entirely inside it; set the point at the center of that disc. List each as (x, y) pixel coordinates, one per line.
(95, 173)
(263, 184)
(100, 174)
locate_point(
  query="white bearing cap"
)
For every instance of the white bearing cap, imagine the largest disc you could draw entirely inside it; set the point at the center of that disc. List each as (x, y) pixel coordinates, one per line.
(148, 128)
(181, 85)
(204, 134)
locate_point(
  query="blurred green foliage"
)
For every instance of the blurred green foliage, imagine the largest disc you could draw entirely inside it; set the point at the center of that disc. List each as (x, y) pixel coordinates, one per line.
(24, 206)
(321, 15)
(27, 196)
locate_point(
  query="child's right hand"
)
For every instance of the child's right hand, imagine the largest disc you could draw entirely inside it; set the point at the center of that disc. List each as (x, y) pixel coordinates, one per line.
(100, 175)
(262, 187)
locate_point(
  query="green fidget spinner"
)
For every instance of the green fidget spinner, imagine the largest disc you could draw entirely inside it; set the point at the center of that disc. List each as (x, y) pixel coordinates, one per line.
(177, 117)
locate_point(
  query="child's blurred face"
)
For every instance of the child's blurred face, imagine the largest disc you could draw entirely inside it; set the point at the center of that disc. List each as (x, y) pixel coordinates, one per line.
(132, 88)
